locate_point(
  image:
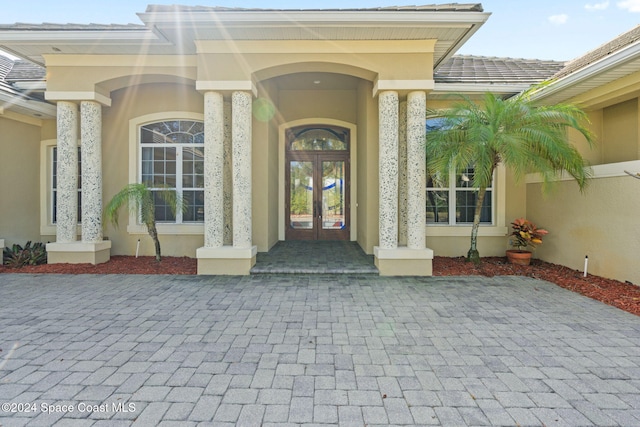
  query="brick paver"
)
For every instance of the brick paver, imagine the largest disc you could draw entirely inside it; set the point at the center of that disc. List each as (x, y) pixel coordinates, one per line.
(312, 349)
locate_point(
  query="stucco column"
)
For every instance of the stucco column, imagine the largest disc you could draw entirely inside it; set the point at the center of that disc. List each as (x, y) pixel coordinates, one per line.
(388, 169)
(213, 169)
(241, 141)
(91, 149)
(416, 169)
(67, 173)
(402, 175)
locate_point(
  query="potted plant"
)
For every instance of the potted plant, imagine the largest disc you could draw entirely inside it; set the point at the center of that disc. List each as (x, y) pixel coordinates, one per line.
(525, 235)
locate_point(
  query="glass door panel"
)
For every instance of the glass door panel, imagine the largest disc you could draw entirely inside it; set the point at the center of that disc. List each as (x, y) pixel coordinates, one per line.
(301, 197)
(333, 197)
(317, 195)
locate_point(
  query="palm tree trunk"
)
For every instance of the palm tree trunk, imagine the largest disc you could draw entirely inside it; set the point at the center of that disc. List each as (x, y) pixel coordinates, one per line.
(473, 255)
(153, 232)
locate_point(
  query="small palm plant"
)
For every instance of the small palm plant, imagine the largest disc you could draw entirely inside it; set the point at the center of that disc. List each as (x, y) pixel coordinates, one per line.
(523, 136)
(140, 200)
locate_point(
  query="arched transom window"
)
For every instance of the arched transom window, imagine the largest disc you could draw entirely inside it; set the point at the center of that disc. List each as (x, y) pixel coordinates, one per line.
(172, 156)
(318, 139)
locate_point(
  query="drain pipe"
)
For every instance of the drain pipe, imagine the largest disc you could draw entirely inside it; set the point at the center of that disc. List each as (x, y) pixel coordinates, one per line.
(137, 248)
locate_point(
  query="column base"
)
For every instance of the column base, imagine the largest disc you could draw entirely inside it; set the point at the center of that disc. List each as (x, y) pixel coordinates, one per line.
(79, 252)
(226, 260)
(403, 261)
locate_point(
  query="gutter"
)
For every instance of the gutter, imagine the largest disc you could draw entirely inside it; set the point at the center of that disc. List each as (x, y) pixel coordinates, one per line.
(507, 88)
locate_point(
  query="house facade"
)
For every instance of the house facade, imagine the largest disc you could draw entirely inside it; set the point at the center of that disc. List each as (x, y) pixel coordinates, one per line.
(272, 124)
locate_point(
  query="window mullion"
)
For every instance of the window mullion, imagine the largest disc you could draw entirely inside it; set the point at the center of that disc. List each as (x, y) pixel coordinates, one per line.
(179, 190)
(452, 197)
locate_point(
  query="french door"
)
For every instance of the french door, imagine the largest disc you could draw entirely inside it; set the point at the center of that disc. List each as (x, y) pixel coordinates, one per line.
(317, 189)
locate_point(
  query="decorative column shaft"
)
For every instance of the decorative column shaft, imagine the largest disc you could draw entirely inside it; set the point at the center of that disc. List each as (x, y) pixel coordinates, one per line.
(213, 169)
(416, 169)
(388, 169)
(402, 175)
(91, 149)
(67, 172)
(228, 177)
(241, 140)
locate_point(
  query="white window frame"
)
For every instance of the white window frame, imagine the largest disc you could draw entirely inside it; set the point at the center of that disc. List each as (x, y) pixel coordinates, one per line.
(452, 189)
(498, 214)
(135, 171)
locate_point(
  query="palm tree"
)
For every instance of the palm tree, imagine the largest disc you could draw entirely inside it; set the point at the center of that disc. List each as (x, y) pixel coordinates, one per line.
(524, 137)
(140, 200)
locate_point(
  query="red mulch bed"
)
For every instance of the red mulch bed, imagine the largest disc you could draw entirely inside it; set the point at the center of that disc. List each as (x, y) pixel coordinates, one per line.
(118, 264)
(625, 296)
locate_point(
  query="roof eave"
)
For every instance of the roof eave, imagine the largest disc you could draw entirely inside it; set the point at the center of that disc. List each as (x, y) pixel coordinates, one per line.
(479, 88)
(328, 17)
(22, 105)
(616, 59)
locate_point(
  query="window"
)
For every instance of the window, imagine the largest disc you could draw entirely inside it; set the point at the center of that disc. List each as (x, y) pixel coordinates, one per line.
(316, 138)
(172, 157)
(451, 200)
(54, 184)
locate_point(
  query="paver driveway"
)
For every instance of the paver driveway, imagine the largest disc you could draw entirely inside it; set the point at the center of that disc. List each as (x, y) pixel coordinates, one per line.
(325, 350)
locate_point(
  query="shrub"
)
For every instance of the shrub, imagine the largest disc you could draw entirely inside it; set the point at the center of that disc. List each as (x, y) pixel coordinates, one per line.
(31, 254)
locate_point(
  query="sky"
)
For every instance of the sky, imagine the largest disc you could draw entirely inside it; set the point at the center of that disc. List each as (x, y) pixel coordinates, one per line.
(535, 29)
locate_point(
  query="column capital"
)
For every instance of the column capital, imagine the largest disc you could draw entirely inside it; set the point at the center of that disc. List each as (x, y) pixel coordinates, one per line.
(77, 96)
(227, 87)
(402, 86)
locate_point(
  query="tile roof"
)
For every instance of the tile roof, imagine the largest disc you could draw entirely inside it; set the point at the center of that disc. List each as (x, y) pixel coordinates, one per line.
(482, 69)
(449, 7)
(5, 67)
(25, 71)
(630, 37)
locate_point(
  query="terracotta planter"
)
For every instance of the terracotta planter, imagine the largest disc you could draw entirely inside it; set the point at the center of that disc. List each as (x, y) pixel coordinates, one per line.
(519, 257)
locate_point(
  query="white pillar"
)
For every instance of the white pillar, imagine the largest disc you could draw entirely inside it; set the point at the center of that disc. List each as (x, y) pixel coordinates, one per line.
(388, 169)
(91, 149)
(213, 169)
(67, 173)
(241, 140)
(402, 175)
(416, 169)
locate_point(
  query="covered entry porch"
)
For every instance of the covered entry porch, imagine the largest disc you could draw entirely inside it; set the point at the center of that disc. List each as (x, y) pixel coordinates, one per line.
(315, 257)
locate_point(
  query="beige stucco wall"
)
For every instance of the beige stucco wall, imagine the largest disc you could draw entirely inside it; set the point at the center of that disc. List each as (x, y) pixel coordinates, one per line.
(367, 146)
(265, 176)
(602, 223)
(620, 132)
(128, 104)
(304, 104)
(19, 181)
